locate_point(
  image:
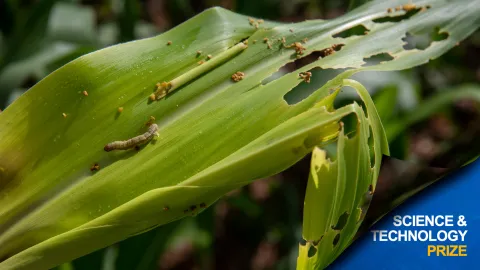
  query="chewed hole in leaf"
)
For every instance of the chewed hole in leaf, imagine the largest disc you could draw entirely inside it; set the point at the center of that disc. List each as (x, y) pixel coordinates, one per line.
(293, 66)
(316, 242)
(358, 30)
(342, 221)
(371, 147)
(377, 59)
(336, 239)
(422, 41)
(350, 125)
(280, 72)
(303, 242)
(318, 78)
(367, 198)
(330, 50)
(312, 251)
(298, 63)
(399, 18)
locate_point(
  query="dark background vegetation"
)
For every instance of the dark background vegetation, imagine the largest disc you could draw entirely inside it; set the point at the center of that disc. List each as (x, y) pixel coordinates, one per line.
(258, 226)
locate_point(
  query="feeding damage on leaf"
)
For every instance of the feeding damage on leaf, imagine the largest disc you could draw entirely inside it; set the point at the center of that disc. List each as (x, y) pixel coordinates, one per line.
(345, 175)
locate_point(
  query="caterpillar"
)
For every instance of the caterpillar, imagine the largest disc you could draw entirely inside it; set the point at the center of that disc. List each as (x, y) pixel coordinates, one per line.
(133, 142)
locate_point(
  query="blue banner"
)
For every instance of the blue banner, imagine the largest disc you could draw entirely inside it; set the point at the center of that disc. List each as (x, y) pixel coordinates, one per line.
(439, 228)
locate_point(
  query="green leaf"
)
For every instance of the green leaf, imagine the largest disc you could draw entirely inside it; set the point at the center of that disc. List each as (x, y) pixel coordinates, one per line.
(215, 135)
(338, 192)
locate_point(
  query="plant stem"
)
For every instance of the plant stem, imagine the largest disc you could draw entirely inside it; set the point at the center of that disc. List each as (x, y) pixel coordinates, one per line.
(165, 88)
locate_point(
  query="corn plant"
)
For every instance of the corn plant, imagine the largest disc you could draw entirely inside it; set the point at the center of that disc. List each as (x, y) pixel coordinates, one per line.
(202, 87)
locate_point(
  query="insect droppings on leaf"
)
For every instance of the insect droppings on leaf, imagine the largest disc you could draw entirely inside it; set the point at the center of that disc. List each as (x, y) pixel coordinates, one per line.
(297, 46)
(330, 50)
(193, 207)
(203, 205)
(95, 167)
(306, 76)
(238, 76)
(254, 23)
(150, 121)
(162, 89)
(408, 7)
(169, 42)
(166, 208)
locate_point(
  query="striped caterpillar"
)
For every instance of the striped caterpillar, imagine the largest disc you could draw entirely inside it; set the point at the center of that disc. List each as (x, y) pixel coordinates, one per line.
(133, 142)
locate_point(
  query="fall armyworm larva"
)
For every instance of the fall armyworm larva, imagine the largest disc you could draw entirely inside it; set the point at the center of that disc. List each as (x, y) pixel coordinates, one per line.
(135, 141)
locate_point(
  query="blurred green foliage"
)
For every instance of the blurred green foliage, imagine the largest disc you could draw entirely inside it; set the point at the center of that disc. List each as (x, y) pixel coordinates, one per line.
(259, 226)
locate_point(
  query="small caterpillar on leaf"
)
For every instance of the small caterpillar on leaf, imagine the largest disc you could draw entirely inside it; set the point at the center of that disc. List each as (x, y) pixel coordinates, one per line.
(133, 142)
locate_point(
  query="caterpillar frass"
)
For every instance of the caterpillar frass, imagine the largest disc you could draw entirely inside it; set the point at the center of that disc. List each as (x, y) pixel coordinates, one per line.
(133, 142)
